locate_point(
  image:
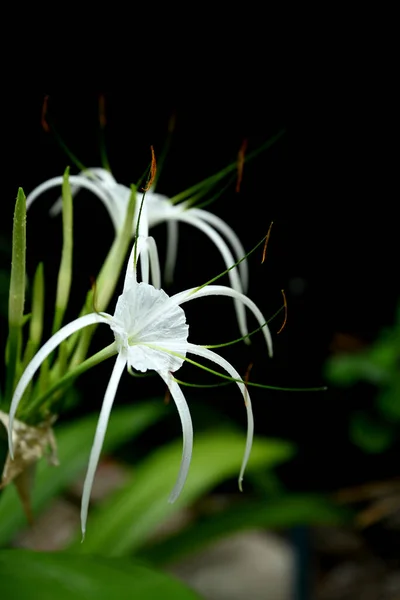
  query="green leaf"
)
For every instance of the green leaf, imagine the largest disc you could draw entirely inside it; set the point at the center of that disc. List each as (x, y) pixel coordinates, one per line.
(106, 282)
(25, 575)
(74, 443)
(65, 271)
(35, 328)
(124, 522)
(283, 511)
(16, 297)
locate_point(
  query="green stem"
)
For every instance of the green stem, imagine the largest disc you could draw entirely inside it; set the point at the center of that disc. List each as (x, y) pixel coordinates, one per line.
(213, 179)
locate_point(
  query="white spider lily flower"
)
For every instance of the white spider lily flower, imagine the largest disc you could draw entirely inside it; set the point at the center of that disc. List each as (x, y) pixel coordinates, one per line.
(159, 209)
(150, 333)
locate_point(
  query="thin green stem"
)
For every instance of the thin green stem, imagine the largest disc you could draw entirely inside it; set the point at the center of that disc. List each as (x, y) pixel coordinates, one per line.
(232, 379)
(213, 179)
(231, 267)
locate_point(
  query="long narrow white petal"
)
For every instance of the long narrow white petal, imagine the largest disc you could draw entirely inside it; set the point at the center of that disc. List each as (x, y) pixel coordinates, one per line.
(154, 262)
(207, 353)
(172, 251)
(232, 238)
(73, 179)
(100, 177)
(214, 290)
(144, 265)
(101, 429)
(222, 290)
(143, 234)
(131, 269)
(187, 433)
(40, 356)
(145, 247)
(227, 256)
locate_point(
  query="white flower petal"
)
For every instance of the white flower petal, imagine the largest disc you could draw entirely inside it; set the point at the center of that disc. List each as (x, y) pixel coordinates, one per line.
(232, 238)
(99, 436)
(144, 246)
(222, 290)
(79, 181)
(229, 260)
(217, 290)
(187, 433)
(40, 356)
(207, 353)
(172, 251)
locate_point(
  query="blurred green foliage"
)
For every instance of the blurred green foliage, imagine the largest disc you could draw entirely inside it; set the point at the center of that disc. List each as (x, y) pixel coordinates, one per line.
(374, 430)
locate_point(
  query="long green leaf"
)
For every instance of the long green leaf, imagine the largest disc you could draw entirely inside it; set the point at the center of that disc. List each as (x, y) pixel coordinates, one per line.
(74, 442)
(281, 512)
(65, 271)
(25, 575)
(106, 283)
(37, 314)
(124, 522)
(17, 292)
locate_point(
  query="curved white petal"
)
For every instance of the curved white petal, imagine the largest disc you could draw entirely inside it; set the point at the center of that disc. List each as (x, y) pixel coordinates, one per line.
(222, 290)
(101, 429)
(232, 238)
(40, 356)
(229, 260)
(218, 290)
(187, 433)
(207, 353)
(154, 262)
(79, 181)
(118, 194)
(144, 245)
(172, 251)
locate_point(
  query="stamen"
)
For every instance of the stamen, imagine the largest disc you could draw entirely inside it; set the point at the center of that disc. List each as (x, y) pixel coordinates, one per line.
(266, 242)
(44, 122)
(48, 126)
(153, 171)
(240, 164)
(285, 307)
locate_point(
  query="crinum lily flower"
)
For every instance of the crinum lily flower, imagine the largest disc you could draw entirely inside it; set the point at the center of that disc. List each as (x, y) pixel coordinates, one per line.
(150, 333)
(161, 209)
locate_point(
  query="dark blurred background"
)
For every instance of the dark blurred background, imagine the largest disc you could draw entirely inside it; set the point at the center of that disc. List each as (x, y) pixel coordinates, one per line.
(333, 243)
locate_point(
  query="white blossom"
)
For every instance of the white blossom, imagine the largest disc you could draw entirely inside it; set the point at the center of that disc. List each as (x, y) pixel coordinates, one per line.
(150, 333)
(159, 209)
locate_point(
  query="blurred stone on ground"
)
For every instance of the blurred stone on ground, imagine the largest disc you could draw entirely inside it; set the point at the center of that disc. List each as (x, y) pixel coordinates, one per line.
(252, 565)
